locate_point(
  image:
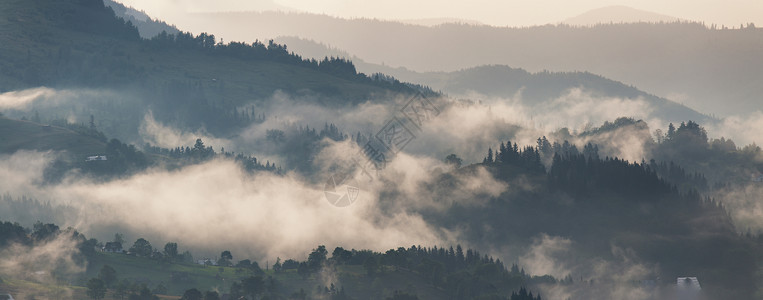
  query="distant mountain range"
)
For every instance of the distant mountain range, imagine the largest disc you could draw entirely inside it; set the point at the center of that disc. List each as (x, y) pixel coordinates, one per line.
(147, 26)
(617, 14)
(439, 21)
(189, 81)
(500, 81)
(711, 69)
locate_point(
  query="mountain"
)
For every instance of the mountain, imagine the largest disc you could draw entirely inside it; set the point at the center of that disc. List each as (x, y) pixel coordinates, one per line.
(16, 135)
(147, 26)
(565, 205)
(190, 81)
(617, 14)
(498, 81)
(710, 69)
(439, 21)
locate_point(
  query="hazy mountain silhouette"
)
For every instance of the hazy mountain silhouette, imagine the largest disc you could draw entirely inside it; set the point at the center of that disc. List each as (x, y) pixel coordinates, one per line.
(502, 81)
(711, 69)
(147, 26)
(617, 14)
(190, 80)
(439, 21)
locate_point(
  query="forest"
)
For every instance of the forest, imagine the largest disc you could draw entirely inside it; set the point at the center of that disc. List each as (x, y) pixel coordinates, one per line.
(177, 165)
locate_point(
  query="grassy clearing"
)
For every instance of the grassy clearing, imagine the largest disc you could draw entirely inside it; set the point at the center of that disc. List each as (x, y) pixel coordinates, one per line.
(177, 278)
(18, 135)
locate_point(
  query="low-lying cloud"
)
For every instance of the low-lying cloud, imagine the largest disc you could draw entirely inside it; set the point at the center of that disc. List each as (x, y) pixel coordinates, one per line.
(158, 134)
(43, 262)
(216, 205)
(22, 99)
(622, 276)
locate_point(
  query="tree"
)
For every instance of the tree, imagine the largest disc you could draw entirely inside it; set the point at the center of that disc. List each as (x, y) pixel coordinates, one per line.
(277, 265)
(119, 238)
(245, 264)
(275, 135)
(340, 255)
(671, 131)
(659, 136)
(121, 289)
(398, 295)
(316, 258)
(454, 160)
(211, 295)
(171, 250)
(160, 289)
(253, 285)
(108, 275)
(44, 231)
(225, 259)
(142, 247)
(187, 257)
(144, 294)
(303, 270)
(192, 294)
(96, 289)
(138, 291)
(371, 265)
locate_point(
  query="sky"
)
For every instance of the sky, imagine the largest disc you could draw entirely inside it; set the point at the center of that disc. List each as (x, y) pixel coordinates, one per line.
(492, 12)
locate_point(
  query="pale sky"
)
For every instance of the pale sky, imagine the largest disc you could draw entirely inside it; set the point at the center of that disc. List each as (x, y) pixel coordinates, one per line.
(494, 12)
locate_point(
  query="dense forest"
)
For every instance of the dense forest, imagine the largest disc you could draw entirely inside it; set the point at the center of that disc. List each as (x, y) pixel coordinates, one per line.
(457, 273)
(82, 45)
(586, 213)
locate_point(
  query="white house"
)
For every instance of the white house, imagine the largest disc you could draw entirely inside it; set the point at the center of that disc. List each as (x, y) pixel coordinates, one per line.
(688, 288)
(6, 297)
(206, 261)
(96, 158)
(112, 247)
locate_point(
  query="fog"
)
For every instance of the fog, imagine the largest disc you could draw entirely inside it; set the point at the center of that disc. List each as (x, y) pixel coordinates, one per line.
(498, 13)
(744, 129)
(660, 59)
(620, 277)
(44, 262)
(157, 134)
(465, 127)
(215, 206)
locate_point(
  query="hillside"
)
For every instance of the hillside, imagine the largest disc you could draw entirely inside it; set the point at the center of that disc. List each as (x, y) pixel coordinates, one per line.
(237, 149)
(708, 68)
(499, 81)
(147, 26)
(191, 81)
(617, 14)
(18, 135)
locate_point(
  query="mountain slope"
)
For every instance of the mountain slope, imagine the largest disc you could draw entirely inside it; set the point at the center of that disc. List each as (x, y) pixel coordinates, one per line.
(24, 135)
(147, 26)
(505, 82)
(711, 69)
(51, 47)
(189, 81)
(617, 14)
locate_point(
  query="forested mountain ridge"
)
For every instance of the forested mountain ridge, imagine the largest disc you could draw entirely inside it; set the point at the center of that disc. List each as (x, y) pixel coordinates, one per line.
(700, 65)
(590, 213)
(190, 81)
(534, 89)
(147, 26)
(602, 203)
(57, 33)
